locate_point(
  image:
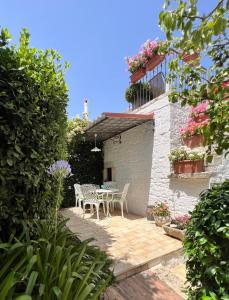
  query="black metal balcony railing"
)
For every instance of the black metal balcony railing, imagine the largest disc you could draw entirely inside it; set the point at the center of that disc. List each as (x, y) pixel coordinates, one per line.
(152, 85)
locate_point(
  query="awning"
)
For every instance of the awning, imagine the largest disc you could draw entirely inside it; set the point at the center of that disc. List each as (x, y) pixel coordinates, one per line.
(112, 124)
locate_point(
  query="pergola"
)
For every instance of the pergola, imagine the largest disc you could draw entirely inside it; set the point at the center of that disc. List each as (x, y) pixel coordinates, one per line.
(110, 124)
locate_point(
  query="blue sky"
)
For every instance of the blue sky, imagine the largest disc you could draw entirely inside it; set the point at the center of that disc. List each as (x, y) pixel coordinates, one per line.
(94, 36)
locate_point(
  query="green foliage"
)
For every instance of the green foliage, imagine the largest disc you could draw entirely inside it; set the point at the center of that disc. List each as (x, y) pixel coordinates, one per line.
(188, 31)
(33, 98)
(87, 166)
(138, 91)
(207, 245)
(45, 267)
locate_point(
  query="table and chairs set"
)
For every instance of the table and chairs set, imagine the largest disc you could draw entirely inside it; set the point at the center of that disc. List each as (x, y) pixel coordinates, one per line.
(106, 196)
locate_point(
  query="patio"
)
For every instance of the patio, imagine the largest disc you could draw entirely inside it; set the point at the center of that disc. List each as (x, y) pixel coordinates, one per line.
(134, 243)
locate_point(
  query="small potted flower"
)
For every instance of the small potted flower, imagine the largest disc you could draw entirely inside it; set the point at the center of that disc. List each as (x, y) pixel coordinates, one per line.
(177, 227)
(161, 213)
(187, 161)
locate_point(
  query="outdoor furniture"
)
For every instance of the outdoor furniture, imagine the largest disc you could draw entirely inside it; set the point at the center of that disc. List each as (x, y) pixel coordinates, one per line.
(105, 193)
(109, 185)
(90, 197)
(78, 194)
(121, 197)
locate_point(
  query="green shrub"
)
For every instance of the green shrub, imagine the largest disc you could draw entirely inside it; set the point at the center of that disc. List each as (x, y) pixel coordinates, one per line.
(46, 268)
(207, 245)
(33, 119)
(87, 166)
(138, 91)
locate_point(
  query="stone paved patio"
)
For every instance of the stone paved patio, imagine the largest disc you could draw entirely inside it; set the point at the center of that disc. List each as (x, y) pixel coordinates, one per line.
(133, 242)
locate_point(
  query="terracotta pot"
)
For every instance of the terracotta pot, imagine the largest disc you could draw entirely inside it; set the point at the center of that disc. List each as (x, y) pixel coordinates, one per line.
(160, 220)
(137, 75)
(154, 61)
(196, 140)
(200, 118)
(190, 58)
(188, 166)
(174, 232)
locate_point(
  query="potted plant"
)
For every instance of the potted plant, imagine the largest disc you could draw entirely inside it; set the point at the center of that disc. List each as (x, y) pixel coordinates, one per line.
(161, 213)
(187, 161)
(150, 51)
(138, 91)
(191, 58)
(146, 60)
(177, 227)
(136, 67)
(192, 134)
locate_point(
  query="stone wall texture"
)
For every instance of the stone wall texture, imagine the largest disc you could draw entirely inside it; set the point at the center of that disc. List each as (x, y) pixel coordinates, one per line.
(142, 160)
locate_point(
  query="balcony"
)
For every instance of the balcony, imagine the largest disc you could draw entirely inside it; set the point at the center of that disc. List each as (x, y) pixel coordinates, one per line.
(151, 84)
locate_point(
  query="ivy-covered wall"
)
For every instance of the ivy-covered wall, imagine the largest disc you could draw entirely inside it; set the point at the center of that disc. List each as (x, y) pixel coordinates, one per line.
(33, 98)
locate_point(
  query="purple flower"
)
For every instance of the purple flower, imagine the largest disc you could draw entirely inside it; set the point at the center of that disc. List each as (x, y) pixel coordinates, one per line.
(60, 167)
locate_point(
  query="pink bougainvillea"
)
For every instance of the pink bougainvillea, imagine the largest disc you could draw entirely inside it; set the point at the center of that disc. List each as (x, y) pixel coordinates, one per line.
(198, 119)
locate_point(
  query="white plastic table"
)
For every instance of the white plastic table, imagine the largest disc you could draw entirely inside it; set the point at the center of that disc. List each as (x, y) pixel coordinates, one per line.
(108, 192)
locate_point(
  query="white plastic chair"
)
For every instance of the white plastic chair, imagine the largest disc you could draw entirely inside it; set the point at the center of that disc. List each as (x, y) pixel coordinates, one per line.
(90, 197)
(78, 194)
(121, 198)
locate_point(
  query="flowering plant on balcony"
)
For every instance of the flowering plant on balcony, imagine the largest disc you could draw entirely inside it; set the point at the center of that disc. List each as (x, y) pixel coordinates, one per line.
(147, 50)
(161, 209)
(180, 154)
(135, 62)
(181, 221)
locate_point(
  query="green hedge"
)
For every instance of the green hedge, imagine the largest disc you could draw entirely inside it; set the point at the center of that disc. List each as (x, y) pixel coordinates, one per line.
(33, 98)
(207, 245)
(87, 167)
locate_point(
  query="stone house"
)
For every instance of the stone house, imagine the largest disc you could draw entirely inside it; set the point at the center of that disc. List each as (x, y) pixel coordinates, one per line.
(136, 148)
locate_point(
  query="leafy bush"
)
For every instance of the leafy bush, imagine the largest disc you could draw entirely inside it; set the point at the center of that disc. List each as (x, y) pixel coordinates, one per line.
(207, 245)
(137, 91)
(87, 166)
(33, 101)
(45, 267)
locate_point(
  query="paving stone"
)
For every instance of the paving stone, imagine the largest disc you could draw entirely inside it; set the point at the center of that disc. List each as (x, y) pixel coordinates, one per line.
(132, 239)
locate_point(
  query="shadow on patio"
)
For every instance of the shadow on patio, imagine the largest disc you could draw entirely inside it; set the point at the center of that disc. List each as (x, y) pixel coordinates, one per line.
(132, 242)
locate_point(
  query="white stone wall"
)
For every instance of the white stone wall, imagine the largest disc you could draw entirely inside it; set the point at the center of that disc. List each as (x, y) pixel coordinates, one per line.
(131, 163)
(142, 160)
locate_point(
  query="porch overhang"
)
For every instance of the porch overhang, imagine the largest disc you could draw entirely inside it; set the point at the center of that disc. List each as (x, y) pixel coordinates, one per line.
(112, 124)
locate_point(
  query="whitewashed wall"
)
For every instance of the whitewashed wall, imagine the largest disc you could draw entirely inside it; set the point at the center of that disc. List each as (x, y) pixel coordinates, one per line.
(142, 160)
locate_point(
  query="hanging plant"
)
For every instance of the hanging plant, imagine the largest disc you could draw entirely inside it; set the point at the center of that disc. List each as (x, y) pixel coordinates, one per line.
(138, 90)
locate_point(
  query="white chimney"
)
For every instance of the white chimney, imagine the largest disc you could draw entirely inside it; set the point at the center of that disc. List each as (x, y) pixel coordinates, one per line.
(85, 112)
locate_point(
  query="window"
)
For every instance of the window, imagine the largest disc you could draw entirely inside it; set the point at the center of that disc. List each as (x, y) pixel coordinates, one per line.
(109, 174)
